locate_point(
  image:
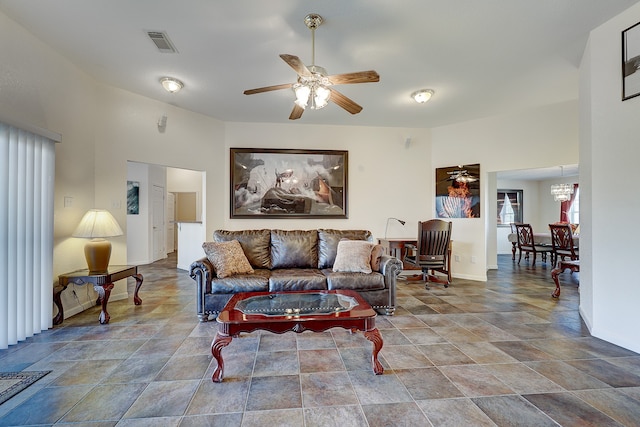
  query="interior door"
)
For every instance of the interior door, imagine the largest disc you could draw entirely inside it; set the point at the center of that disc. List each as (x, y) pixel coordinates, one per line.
(158, 222)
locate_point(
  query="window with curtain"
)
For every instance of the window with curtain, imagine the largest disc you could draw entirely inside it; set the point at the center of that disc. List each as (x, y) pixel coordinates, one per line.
(27, 167)
(509, 206)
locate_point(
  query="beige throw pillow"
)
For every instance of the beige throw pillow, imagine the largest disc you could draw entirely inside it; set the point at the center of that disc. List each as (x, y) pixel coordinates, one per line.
(227, 258)
(353, 256)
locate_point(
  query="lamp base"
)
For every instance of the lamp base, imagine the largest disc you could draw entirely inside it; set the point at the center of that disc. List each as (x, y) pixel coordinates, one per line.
(97, 252)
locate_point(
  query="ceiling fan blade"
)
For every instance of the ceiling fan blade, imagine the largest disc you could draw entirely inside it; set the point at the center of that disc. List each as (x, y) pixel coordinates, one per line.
(267, 89)
(295, 63)
(296, 113)
(357, 77)
(344, 102)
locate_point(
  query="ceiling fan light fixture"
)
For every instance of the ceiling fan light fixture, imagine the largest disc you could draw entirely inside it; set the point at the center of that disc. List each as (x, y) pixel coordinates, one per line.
(302, 93)
(320, 98)
(171, 85)
(423, 95)
(311, 91)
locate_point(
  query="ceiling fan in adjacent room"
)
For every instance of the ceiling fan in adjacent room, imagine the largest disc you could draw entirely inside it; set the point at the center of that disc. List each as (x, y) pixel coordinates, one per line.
(314, 88)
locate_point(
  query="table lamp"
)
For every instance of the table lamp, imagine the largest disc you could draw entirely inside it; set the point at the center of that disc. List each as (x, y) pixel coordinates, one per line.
(97, 224)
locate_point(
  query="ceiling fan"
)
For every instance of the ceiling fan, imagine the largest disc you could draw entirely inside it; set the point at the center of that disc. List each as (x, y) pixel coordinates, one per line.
(314, 88)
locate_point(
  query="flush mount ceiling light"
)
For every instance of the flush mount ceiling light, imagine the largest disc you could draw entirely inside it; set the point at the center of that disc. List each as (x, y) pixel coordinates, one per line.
(423, 95)
(171, 85)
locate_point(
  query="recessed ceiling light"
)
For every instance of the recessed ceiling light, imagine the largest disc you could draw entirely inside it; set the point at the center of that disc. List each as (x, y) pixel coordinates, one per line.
(423, 95)
(171, 85)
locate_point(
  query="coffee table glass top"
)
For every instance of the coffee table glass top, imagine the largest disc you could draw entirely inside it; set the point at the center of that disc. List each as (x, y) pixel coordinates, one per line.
(296, 304)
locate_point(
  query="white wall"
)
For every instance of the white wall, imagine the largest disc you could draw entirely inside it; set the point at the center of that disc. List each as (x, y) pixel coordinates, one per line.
(386, 178)
(189, 181)
(609, 152)
(139, 234)
(522, 140)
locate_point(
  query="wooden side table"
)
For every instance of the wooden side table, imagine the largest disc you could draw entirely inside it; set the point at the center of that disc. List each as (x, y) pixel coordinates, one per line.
(102, 283)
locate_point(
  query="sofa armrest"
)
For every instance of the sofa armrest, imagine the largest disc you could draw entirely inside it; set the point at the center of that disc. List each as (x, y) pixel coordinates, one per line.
(390, 267)
(202, 272)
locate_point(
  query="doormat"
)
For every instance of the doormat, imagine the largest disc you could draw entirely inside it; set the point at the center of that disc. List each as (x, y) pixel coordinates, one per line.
(12, 383)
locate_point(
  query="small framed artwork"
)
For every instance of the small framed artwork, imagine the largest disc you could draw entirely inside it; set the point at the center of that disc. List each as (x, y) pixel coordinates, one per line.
(509, 207)
(458, 191)
(631, 62)
(133, 197)
(274, 183)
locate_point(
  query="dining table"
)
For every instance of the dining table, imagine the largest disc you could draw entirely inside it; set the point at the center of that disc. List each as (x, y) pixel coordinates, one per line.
(539, 238)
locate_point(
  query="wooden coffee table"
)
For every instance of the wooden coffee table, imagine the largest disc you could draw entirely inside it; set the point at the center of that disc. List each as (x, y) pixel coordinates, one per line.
(301, 311)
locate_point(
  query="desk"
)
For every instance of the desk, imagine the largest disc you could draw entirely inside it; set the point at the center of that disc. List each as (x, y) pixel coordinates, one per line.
(102, 283)
(397, 247)
(539, 238)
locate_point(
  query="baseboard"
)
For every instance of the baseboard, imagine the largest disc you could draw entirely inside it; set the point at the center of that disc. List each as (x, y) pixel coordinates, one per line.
(454, 276)
(79, 308)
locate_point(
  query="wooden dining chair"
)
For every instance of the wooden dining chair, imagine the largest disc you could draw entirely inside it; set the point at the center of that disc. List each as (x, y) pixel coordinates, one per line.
(527, 244)
(562, 242)
(433, 251)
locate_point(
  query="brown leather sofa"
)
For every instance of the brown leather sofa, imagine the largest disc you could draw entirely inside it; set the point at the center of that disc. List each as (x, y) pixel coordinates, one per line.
(285, 260)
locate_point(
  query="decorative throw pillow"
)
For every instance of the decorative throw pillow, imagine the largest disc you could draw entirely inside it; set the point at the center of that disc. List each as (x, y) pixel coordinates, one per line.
(353, 256)
(227, 258)
(376, 255)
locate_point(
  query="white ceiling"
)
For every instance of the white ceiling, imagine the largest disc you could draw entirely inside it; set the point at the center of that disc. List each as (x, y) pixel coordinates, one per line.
(482, 57)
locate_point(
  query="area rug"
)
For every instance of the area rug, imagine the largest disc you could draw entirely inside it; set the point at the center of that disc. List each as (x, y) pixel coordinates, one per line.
(12, 383)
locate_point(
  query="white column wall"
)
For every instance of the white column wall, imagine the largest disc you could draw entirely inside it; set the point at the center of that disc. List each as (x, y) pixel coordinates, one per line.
(609, 152)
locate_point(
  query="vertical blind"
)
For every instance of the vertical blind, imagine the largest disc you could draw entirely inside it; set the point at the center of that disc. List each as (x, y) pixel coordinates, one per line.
(27, 167)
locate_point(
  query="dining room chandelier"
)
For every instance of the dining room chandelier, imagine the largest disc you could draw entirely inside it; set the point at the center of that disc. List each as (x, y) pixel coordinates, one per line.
(561, 192)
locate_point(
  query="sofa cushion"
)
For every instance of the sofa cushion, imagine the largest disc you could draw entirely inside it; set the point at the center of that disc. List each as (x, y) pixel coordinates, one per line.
(227, 258)
(294, 249)
(256, 282)
(296, 279)
(255, 244)
(328, 243)
(354, 281)
(353, 256)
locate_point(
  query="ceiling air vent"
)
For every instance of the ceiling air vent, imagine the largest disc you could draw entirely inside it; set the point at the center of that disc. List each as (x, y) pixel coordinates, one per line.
(162, 42)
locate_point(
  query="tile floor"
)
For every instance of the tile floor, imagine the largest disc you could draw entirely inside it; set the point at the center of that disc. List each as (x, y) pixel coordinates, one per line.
(476, 354)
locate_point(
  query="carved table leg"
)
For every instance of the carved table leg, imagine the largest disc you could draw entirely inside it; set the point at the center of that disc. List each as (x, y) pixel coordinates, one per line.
(554, 276)
(57, 290)
(375, 337)
(137, 300)
(104, 291)
(217, 345)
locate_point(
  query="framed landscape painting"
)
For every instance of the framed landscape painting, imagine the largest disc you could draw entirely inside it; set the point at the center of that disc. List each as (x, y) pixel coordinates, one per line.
(284, 183)
(631, 62)
(458, 191)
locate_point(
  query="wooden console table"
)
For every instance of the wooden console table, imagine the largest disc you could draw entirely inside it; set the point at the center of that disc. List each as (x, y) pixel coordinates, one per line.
(102, 283)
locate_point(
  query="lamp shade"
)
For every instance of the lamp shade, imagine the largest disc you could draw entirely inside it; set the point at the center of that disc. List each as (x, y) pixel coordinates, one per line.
(98, 223)
(95, 225)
